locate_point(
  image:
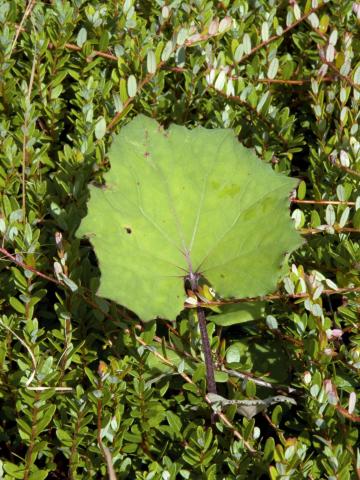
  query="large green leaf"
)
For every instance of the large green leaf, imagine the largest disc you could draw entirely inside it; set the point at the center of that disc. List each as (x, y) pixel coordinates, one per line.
(179, 201)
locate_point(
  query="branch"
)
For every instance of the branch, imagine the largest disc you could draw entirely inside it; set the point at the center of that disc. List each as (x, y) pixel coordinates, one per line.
(270, 298)
(28, 267)
(290, 82)
(25, 266)
(25, 150)
(20, 28)
(313, 231)
(275, 296)
(322, 202)
(276, 37)
(94, 53)
(346, 414)
(343, 77)
(140, 86)
(346, 169)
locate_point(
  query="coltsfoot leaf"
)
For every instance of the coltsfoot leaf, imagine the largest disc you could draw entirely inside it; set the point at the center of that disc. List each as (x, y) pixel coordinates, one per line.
(178, 201)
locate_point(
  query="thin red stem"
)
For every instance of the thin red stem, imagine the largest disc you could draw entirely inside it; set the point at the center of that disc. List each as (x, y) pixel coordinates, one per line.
(322, 202)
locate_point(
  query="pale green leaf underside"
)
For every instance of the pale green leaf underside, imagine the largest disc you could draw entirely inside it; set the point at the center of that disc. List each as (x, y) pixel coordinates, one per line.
(178, 200)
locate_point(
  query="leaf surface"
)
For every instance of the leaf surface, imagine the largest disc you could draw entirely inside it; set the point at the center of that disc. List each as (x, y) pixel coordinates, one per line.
(178, 201)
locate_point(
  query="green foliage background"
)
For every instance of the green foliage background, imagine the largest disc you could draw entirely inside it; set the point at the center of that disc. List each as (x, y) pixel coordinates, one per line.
(87, 390)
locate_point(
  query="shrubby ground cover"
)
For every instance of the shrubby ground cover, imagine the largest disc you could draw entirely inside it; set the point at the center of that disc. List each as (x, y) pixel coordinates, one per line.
(87, 390)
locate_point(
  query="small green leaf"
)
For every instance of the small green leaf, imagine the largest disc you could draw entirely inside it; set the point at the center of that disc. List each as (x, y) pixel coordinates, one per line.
(39, 475)
(46, 416)
(262, 102)
(14, 470)
(344, 217)
(315, 219)
(225, 24)
(340, 192)
(64, 437)
(330, 215)
(168, 49)
(299, 218)
(301, 193)
(181, 36)
(344, 158)
(220, 81)
(221, 377)
(17, 305)
(297, 11)
(247, 43)
(165, 12)
(276, 415)
(56, 92)
(213, 27)
(151, 62)
(68, 282)
(174, 421)
(233, 354)
(271, 322)
(313, 20)
(123, 90)
(131, 86)
(24, 428)
(273, 68)
(250, 388)
(269, 450)
(265, 31)
(100, 128)
(356, 219)
(238, 53)
(324, 23)
(333, 38)
(81, 37)
(357, 75)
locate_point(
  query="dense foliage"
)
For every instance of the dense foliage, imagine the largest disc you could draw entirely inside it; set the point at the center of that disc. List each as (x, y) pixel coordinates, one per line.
(86, 389)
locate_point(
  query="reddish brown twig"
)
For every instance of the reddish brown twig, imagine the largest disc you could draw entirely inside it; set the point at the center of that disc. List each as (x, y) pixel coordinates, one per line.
(322, 202)
(343, 77)
(28, 267)
(20, 28)
(314, 231)
(284, 32)
(283, 81)
(272, 297)
(347, 169)
(276, 296)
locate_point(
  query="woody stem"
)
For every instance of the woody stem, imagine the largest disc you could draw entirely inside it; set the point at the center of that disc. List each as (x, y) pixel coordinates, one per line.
(210, 375)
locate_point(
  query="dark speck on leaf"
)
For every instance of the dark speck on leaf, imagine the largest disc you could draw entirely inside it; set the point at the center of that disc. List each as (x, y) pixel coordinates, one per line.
(128, 230)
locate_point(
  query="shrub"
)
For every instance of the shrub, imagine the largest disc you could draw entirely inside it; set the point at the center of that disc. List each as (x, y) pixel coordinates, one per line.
(87, 389)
